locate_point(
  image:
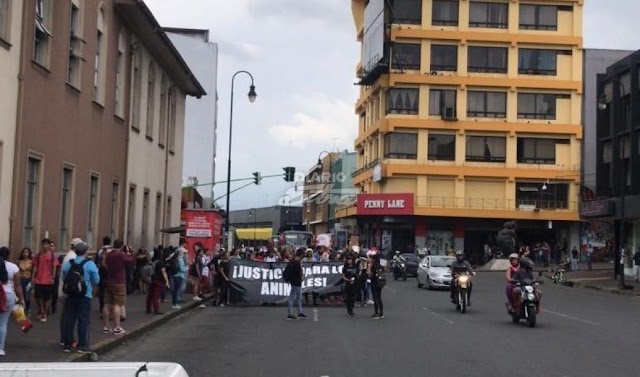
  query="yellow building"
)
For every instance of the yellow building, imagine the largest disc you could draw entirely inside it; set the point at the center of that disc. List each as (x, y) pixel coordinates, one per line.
(472, 108)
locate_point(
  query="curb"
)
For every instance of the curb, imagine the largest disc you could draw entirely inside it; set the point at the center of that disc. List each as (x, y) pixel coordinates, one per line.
(110, 344)
(617, 291)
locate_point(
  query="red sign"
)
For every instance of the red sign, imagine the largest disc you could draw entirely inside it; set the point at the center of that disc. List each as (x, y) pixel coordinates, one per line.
(204, 227)
(385, 204)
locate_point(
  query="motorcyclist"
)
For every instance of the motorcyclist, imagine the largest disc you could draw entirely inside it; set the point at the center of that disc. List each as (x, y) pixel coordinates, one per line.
(514, 265)
(525, 272)
(459, 266)
(398, 257)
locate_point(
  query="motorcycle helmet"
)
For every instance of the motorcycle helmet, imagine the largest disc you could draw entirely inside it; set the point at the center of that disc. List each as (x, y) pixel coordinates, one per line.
(397, 252)
(459, 255)
(513, 256)
(526, 263)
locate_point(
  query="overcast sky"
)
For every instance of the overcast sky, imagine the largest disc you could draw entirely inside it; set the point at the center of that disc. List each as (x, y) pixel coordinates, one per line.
(303, 54)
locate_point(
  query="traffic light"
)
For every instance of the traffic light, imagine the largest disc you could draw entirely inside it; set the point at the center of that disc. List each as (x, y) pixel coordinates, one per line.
(257, 178)
(289, 173)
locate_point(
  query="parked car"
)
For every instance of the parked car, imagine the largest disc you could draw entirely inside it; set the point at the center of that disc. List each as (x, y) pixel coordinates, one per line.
(411, 261)
(434, 272)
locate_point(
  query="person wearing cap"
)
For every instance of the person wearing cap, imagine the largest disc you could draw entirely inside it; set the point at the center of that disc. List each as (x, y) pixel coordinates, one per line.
(514, 266)
(77, 310)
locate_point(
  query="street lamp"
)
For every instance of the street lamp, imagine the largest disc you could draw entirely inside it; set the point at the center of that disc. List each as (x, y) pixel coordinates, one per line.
(252, 97)
(602, 105)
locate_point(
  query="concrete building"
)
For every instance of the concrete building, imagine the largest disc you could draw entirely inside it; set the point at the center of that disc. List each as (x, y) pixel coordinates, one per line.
(160, 82)
(343, 191)
(201, 115)
(10, 42)
(470, 115)
(255, 226)
(318, 194)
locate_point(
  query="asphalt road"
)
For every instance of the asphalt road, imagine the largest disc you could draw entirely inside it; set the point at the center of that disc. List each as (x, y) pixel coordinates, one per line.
(579, 333)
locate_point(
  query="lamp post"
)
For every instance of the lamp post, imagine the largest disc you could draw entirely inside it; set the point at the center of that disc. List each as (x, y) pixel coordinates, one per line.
(602, 105)
(252, 97)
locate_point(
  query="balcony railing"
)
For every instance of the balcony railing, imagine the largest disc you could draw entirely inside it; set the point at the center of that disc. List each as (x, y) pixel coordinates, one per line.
(494, 204)
(368, 166)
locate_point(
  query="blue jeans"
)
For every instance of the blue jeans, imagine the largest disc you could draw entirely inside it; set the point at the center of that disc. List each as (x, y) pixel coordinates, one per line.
(27, 294)
(76, 310)
(175, 289)
(366, 291)
(183, 288)
(4, 318)
(295, 294)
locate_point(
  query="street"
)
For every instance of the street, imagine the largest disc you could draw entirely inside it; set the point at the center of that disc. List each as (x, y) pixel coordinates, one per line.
(579, 333)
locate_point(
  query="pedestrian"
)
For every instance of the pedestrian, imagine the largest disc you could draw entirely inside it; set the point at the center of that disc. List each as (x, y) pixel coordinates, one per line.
(636, 265)
(589, 257)
(102, 286)
(574, 259)
(44, 271)
(195, 272)
(294, 275)
(142, 260)
(25, 264)
(349, 274)
(184, 254)
(79, 276)
(159, 281)
(314, 295)
(378, 281)
(179, 275)
(224, 270)
(10, 295)
(71, 254)
(116, 261)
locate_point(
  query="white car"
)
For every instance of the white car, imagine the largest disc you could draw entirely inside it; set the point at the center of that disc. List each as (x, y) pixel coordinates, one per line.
(434, 271)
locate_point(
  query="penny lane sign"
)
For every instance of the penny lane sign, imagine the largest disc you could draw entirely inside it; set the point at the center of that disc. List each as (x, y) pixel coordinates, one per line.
(385, 204)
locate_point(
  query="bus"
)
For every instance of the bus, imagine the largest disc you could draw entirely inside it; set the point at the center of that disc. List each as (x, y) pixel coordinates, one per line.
(297, 238)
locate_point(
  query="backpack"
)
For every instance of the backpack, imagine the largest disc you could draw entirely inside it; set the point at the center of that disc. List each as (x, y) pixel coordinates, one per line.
(146, 273)
(74, 284)
(381, 278)
(173, 266)
(287, 273)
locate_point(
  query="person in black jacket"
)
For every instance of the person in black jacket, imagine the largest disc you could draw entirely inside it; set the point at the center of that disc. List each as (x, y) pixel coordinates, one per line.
(351, 284)
(295, 277)
(376, 274)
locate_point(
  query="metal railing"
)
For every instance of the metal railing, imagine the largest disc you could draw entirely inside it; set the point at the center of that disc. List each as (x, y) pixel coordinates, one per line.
(368, 166)
(494, 204)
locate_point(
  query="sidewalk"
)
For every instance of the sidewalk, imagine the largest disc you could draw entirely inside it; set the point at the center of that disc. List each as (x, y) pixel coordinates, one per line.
(600, 278)
(42, 343)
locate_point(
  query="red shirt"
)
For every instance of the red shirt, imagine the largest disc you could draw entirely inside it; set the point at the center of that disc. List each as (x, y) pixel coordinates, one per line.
(116, 261)
(46, 268)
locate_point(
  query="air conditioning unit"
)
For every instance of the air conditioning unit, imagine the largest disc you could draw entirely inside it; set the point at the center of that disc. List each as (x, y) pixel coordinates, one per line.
(449, 113)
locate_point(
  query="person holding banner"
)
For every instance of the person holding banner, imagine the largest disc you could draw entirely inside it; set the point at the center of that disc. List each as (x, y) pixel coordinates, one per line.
(378, 280)
(351, 286)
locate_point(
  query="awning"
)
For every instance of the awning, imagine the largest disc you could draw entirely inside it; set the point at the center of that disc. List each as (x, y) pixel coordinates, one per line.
(173, 230)
(264, 234)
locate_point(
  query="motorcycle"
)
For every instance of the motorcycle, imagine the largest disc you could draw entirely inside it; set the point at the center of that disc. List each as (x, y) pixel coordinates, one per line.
(461, 291)
(558, 276)
(399, 270)
(526, 299)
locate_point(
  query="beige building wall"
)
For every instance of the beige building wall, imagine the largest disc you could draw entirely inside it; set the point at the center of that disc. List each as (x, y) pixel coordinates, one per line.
(10, 38)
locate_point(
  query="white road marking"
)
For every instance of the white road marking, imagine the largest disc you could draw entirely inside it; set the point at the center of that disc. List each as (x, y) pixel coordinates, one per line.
(315, 315)
(439, 315)
(571, 317)
(394, 291)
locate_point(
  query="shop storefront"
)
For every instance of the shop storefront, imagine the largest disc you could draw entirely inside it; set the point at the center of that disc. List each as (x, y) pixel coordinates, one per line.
(386, 221)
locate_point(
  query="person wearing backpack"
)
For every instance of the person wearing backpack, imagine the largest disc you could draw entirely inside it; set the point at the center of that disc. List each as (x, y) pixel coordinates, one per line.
(79, 276)
(378, 281)
(10, 293)
(102, 253)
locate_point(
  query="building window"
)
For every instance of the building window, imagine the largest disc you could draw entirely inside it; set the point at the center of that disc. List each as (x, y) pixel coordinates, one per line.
(151, 98)
(5, 12)
(402, 101)
(401, 146)
(145, 219)
(537, 62)
(486, 148)
(555, 196)
(101, 57)
(536, 106)
(489, 15)
(136, 91)
(92, 218)
(65, 206)
(442, 102)
(164, 108)
(486, 104)
(172, 118)
(158, 220)
(120, 75)
(607, 152)
(168, 211)
(406, 12)
(406, 56)
(115, 207)
(538, 17)
(444, 58)
(624, 146)
(75, 47)
(42, 37)
(445, 13)
(31, 207)
(536, 151)
(488, 59)
(442, 147)
(131, 208)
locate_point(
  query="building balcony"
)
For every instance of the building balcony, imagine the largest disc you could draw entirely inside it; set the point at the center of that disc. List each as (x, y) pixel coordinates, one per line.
(483, 208)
